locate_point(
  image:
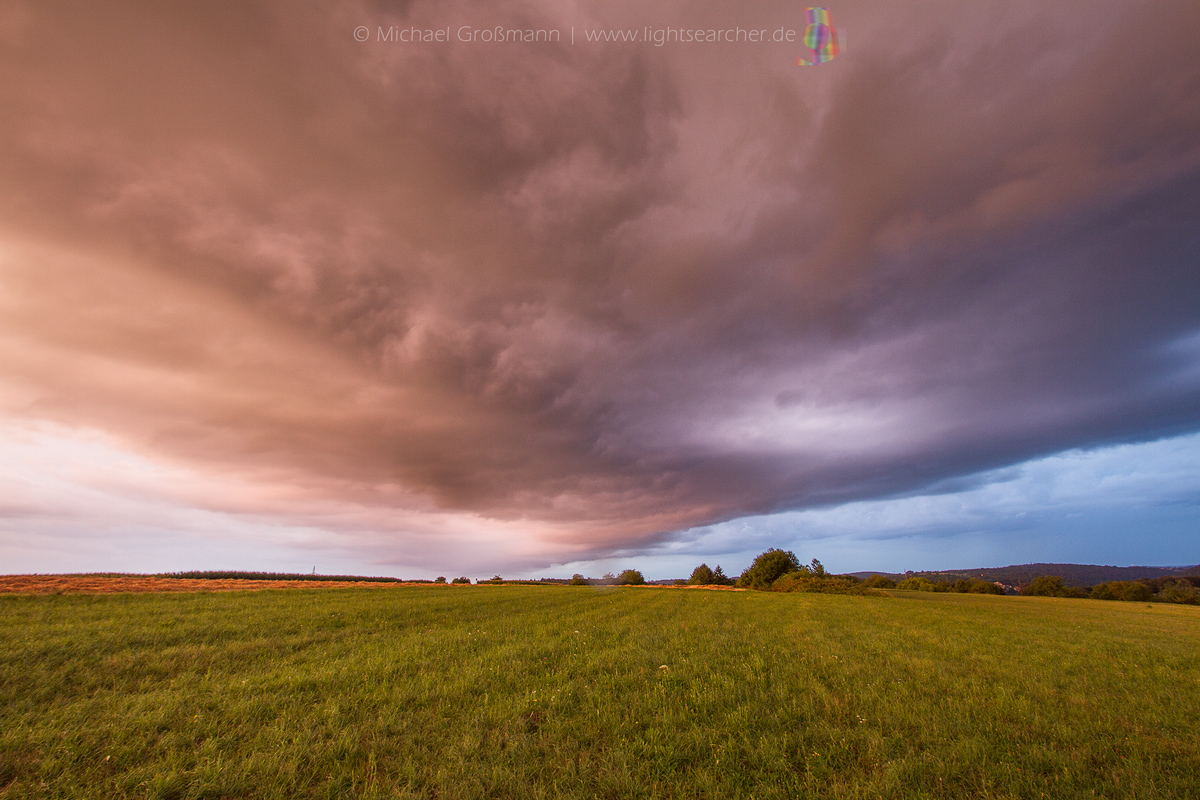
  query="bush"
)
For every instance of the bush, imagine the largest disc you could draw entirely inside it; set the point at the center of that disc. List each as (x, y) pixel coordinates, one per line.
(769, 567)
(577, 580)
(630, 577)
(440, 579)
(968, 586)
(461, 580)
(805, 581)
(961, 585)
(879, 582)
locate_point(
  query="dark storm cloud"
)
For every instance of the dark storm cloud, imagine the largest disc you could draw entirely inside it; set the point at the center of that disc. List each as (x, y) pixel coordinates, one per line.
(613, 291)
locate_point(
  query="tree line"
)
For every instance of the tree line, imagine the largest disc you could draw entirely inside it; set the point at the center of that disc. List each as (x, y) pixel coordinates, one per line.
(1183, 589)
(781, 571)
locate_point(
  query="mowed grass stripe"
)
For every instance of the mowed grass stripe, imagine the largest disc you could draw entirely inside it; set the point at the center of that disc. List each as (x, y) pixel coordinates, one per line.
(501, 691)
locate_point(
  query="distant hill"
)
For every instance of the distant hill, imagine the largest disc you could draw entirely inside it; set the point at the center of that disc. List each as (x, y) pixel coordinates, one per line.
(1021, 574)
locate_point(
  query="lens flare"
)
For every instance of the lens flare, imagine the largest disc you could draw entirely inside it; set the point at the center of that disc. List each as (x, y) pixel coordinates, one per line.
(820, 37)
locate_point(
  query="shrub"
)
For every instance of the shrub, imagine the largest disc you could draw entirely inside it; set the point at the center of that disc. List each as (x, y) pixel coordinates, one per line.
(879, 582)
(967, 586)
(461, 580)
(805, 581)
(630, 577)
(768, 567)
(440, 579)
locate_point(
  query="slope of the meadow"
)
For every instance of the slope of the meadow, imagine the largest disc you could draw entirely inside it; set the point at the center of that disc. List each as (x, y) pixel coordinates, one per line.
(582, 692)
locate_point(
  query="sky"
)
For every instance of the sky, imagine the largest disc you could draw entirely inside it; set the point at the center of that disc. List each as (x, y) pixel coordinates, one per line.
(283, 287)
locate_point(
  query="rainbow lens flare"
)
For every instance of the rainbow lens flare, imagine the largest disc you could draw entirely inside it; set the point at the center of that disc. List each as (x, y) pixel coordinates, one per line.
(820, 37)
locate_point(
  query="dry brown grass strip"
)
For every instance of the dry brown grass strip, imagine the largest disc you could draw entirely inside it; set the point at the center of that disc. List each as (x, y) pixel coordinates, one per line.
(118, 584)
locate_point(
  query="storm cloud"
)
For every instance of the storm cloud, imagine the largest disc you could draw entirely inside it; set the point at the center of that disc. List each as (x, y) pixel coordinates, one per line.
(548, 301)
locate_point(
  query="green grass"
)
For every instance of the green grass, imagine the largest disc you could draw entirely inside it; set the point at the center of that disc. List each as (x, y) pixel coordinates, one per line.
(547, 692)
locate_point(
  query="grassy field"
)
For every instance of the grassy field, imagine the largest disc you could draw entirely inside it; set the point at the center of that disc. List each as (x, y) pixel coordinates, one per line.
(580, 692)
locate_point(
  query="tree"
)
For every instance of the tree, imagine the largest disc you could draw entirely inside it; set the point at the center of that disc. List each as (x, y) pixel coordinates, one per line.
(1179, 591)
(1133, 591)
(440, 579)
(917, 584)
(769, 567)
(578, 580)
(1045, 586)
(702, 576)
(630, 577)
(461, 580)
